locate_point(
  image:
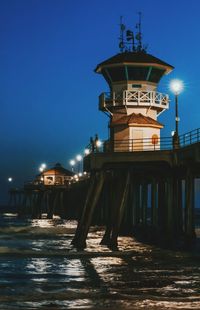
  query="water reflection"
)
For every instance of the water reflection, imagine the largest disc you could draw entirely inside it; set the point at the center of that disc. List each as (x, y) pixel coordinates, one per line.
(40, 270)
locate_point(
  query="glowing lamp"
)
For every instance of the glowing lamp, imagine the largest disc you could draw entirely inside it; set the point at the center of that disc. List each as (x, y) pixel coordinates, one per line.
(87, 151)
(79, 157)
(176, 86)
(10, 179)
(72, 162)
(99, 143)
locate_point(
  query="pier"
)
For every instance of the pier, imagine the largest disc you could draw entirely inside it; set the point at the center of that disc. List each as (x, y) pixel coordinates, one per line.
(148, 193)
(138, 182)
(129, 182)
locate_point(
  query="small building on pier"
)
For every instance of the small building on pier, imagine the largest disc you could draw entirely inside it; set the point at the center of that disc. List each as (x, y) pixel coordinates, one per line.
(56, 175)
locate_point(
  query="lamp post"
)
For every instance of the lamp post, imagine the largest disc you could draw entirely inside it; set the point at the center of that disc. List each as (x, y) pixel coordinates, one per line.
(72, 163)
(86, 152)
(42, 167)
(176, 86)
(79, 158)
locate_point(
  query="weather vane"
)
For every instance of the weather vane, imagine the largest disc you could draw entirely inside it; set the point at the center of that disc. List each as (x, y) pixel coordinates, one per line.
(127, 39)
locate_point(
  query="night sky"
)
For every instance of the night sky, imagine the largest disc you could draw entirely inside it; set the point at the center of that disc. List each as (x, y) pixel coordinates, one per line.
(48, 89)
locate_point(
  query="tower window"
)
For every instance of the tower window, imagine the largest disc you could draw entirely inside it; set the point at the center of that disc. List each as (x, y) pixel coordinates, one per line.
(156, 75)
(137, 73)
(117, 73)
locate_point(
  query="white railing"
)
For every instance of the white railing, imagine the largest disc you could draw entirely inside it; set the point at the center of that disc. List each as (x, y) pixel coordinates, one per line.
(134, 98)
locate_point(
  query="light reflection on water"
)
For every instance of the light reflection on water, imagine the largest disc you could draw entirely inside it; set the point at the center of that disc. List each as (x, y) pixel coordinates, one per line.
(41, 270)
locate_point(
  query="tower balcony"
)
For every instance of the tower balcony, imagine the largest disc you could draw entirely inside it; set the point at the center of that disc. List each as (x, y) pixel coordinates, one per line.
(151, 99)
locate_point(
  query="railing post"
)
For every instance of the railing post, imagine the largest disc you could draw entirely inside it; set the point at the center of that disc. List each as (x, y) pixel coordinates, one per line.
(153, 98)
(198, 135)
(124, 97)
(138, 97)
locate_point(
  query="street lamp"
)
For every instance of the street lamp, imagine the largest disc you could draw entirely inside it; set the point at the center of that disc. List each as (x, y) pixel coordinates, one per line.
(10, 179)
(176, 86)
(79, 158)
(86, 151)
(42, 167)
(99, 143)
(72, 163)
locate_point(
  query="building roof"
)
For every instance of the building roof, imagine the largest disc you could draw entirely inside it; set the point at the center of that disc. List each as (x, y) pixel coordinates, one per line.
(133, 57)
(58, 170)
(137, 120)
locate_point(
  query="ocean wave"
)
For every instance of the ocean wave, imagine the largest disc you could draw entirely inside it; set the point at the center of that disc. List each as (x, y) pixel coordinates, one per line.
(29, 230)
(68, 253)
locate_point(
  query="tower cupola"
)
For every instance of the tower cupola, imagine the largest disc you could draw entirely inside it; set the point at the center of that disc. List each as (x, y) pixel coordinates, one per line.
(133, 76)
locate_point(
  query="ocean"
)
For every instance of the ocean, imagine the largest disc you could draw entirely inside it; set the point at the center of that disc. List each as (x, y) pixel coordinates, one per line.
(39, 269)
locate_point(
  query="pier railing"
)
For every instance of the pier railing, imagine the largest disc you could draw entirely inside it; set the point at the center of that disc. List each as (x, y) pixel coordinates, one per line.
(190, 137)
(147, 144)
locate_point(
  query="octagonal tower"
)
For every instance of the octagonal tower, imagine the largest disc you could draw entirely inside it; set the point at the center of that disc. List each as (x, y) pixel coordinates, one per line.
(133, 102)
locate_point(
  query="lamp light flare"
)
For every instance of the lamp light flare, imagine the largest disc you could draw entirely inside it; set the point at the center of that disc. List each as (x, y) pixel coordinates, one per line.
(42, 167)
(72, 162)
(87, 151)
(10, 179)
(79, 157)
(176, 86)
(99, 143)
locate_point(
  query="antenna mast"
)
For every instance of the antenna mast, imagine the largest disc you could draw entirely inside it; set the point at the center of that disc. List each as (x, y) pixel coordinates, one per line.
(121, 38)
(139, 34)
(128, 39)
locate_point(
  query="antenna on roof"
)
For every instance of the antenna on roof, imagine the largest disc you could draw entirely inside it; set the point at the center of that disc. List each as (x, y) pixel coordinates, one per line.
(130, 37)
(139, 33)
(127, 42)
(121, 38)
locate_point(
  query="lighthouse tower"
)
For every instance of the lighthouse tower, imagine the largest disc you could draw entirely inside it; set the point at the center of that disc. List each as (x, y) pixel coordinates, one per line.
(133, 103)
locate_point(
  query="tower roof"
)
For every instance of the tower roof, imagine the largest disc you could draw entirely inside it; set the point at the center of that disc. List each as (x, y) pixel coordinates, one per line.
(133, 58)
(58, 170)
(137, 120)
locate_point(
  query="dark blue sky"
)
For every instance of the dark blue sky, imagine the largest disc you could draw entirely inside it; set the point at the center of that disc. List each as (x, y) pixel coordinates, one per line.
(48, 89)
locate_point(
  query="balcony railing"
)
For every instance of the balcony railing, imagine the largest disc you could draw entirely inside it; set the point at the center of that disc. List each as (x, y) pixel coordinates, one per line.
(134, 98)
